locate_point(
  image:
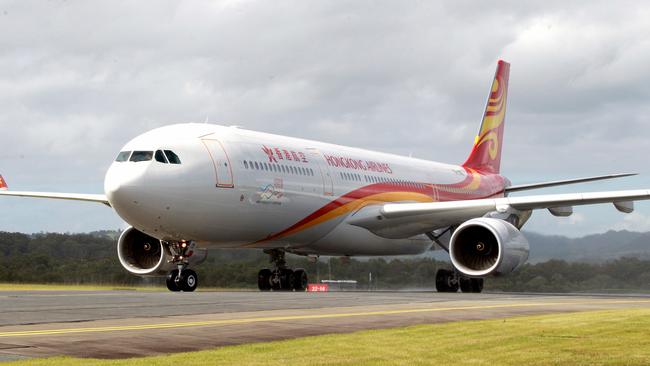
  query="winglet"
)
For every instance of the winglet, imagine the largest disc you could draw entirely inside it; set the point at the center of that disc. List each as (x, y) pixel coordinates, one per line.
(3, 184)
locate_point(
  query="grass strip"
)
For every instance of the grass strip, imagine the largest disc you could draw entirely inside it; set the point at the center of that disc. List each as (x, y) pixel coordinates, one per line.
(612, 337)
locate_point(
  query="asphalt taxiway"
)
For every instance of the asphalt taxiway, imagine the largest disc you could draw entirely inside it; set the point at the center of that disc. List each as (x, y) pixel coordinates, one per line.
(119, 324)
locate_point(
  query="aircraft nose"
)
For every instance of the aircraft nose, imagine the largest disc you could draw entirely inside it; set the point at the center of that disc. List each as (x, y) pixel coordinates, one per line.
(122, 182)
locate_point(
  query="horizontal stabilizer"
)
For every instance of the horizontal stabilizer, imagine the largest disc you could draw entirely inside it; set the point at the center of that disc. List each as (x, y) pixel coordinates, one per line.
(523, 187)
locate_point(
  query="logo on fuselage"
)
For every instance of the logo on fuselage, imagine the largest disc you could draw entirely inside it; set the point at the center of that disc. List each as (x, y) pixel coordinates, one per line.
(271, 193)
(275, 153)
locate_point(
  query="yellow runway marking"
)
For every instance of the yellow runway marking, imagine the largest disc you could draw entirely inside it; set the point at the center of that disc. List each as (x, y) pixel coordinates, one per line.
(299, 317)
(62, 295)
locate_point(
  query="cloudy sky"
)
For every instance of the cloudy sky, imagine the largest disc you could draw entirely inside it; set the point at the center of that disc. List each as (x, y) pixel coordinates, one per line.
(78, 79)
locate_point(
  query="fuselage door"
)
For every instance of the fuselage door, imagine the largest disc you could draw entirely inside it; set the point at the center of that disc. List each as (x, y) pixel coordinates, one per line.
(328, 186)
(220, 162)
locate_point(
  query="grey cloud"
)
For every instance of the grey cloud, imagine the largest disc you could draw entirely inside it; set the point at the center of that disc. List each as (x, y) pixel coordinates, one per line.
(79, 79)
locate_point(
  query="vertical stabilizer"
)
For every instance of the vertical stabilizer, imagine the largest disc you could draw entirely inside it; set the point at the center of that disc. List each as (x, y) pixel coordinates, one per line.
(486, 152)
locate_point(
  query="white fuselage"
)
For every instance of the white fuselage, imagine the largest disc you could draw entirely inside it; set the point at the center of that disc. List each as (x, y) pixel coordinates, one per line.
(240, 188)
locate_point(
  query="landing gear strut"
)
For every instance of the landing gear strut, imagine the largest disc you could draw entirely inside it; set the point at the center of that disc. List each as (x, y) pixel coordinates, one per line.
(182, 279)
(281, 278)
(451, 281)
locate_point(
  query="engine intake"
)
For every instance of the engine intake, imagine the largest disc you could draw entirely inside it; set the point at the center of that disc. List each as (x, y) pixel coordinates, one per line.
(486, 246)
(142, 254)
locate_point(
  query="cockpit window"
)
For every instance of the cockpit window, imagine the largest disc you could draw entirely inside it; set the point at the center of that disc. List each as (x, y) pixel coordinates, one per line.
(172, 157)
(141, 156)
(123, 156)
(160, 157)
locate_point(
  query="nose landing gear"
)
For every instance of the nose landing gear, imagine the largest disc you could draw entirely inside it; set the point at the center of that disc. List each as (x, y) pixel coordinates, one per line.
(182, 279)
(281, 278)
(186, 281)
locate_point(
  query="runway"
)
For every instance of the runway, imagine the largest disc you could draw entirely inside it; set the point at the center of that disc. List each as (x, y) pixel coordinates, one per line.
(120, 324)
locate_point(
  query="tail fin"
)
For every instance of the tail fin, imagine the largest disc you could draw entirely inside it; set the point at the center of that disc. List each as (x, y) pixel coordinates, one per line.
(486, 153)
(3, 184)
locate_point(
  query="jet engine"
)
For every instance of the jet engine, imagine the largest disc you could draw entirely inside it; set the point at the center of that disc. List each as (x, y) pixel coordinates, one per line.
(142, 254)
(486, 246)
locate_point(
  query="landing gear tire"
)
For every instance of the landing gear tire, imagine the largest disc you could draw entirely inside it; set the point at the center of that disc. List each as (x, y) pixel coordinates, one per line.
(282, 279)
(300, 280)
(477, 285)
(446, 281)
(171, 281)
(264, 279)
(471, 285)
(187, 282)
(465, 284)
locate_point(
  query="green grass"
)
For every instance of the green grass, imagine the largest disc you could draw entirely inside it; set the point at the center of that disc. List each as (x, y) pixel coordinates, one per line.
(616, 337)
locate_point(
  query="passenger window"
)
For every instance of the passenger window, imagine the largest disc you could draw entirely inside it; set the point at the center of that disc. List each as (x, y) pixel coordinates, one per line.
(257, 166)
(245, 164)
(172, 157)
(160, 157)
(141, 156)
(123, 156)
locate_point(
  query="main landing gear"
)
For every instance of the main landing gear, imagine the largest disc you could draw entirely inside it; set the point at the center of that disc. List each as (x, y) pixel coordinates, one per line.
(281, 278)
(451, 281)
(182, 279)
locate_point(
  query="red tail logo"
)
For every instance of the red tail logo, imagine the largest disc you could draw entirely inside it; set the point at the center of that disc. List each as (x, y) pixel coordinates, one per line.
(3, 184)
(486, 153)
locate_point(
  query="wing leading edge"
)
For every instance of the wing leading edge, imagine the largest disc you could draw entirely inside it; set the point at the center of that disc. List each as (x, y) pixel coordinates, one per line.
(523, 187)
(395, 220)
(99, 198)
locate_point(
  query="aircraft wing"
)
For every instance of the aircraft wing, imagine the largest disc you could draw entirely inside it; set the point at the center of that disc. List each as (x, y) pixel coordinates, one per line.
(523, 187)
(403, 220)
(100, 198)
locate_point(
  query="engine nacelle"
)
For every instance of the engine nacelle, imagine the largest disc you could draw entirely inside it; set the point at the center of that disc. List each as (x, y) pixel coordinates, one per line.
(142, 254)
(486, 246)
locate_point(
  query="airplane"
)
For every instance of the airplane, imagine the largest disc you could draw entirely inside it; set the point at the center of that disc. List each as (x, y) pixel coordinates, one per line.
(185, 188)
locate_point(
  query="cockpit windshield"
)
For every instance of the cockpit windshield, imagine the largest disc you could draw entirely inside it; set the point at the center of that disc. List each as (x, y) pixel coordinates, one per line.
(141, 156)
(172, 157)
(123, 156)
(160, 157)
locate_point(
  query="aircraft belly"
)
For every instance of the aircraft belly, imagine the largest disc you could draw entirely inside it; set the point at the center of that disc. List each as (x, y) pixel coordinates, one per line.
(353, 241)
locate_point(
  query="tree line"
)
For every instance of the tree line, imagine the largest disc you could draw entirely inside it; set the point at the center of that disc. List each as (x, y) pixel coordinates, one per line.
(92, 259)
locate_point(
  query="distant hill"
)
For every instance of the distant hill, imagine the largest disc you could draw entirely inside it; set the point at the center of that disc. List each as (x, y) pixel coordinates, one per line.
(594, 248)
